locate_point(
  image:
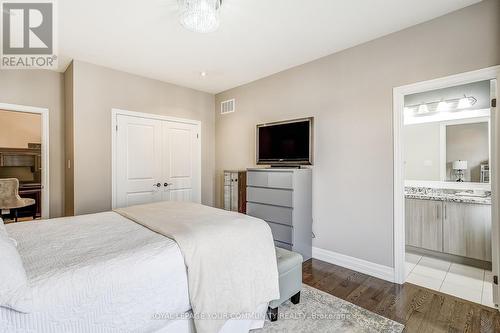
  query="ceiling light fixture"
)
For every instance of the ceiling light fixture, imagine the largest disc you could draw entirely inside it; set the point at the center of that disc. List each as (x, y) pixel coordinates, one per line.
(200, 15)
(203, 74)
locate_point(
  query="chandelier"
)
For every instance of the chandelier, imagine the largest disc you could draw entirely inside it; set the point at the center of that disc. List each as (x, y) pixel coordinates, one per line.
(200, 15)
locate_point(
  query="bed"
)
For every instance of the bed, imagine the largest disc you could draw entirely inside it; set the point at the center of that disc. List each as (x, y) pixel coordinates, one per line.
(104, 273)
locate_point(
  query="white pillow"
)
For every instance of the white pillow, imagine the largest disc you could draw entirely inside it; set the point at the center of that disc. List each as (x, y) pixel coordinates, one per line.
(15, 292)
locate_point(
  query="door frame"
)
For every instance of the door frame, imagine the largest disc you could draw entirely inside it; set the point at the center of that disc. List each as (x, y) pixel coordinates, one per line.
(399, 93)
(115, 113)
(44, 113)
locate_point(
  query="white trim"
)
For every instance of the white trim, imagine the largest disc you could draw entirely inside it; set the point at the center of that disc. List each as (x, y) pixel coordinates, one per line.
(398, 111)
(44, 112)
(443, 149)
(494, 173)
(114, 114)
(359, 265)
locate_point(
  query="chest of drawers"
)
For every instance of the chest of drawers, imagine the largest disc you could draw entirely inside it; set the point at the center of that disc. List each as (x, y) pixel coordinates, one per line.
(283, 198)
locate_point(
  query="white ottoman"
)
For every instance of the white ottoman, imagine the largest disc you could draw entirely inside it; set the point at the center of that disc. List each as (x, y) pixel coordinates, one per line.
(290, 280)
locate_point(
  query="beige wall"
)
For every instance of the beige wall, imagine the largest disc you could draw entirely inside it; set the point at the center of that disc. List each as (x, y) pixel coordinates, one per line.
(422, 151)
(96, 90)
(19, 128)
(467, 142)
(350, 95)
(42, 89)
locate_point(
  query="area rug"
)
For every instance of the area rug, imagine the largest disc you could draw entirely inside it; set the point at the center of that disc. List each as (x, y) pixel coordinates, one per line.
(322, 312)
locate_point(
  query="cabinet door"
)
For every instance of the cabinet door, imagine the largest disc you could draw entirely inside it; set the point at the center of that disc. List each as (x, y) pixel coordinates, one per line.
(467, 230)
(424, 224)
(227, 190)
(234, 191)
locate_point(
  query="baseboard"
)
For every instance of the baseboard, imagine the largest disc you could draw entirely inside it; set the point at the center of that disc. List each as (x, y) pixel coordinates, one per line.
(359, 265)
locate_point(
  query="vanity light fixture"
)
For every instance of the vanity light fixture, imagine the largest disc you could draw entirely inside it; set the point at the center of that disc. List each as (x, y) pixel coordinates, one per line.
(443, 106)
(422, 109)
(464, 103)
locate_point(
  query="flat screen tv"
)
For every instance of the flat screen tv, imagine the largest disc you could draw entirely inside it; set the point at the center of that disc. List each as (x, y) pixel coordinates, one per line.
(285, 143)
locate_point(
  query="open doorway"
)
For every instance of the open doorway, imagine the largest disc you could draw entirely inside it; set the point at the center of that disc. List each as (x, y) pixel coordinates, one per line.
(23, 163)
(445, 222)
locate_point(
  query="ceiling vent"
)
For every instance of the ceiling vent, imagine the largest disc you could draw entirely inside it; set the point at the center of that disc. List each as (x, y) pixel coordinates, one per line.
(227, 106)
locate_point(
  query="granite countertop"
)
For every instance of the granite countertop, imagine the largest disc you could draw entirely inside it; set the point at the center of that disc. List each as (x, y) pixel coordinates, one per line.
(424, 193)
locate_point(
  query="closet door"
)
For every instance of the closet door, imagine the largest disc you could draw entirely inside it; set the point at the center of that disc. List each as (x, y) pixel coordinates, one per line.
(181, 162)
(138, 158)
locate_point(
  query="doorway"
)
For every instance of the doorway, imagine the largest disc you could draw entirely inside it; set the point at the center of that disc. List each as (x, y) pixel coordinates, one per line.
(432, 199)
(24, 151)
(155, 158)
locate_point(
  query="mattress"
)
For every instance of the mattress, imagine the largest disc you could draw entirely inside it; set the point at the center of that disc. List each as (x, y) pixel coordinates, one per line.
(97, 273)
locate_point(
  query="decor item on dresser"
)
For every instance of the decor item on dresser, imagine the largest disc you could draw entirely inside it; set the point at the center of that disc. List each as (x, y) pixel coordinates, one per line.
(459, 167)
(235, 196)
(283, 198)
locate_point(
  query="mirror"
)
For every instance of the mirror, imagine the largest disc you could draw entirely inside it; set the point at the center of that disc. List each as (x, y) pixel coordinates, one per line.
(433, 149)
(447, 135)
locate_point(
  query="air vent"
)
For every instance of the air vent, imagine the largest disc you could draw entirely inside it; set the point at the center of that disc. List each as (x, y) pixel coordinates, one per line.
(227, 106)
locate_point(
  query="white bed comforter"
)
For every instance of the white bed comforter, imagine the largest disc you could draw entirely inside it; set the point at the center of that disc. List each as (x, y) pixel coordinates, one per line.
(230, 257)
(97, 273)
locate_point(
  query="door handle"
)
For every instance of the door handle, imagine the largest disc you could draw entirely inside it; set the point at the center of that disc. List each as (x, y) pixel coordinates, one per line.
(167, 184)
(157, 185)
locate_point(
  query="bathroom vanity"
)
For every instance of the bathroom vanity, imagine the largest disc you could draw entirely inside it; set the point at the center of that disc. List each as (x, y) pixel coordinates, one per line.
(443, 222)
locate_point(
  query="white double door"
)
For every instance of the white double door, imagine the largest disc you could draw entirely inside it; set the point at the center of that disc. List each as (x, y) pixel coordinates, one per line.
(156, 160)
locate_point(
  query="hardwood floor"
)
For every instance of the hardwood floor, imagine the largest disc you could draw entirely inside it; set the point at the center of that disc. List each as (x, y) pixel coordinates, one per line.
(418, 308)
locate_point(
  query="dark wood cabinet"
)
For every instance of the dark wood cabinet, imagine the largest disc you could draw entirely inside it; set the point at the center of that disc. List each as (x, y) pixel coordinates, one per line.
(33, 191)
(19, 162)
(21, 157)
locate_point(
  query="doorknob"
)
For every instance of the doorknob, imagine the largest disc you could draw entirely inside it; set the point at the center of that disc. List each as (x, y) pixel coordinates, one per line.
(157, 185)
(167, 184)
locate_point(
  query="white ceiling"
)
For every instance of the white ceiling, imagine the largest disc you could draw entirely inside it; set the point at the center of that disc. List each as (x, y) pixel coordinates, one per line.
(256, 38)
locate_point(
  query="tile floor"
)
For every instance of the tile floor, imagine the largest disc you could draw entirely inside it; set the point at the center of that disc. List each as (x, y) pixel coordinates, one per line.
(470, 283)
